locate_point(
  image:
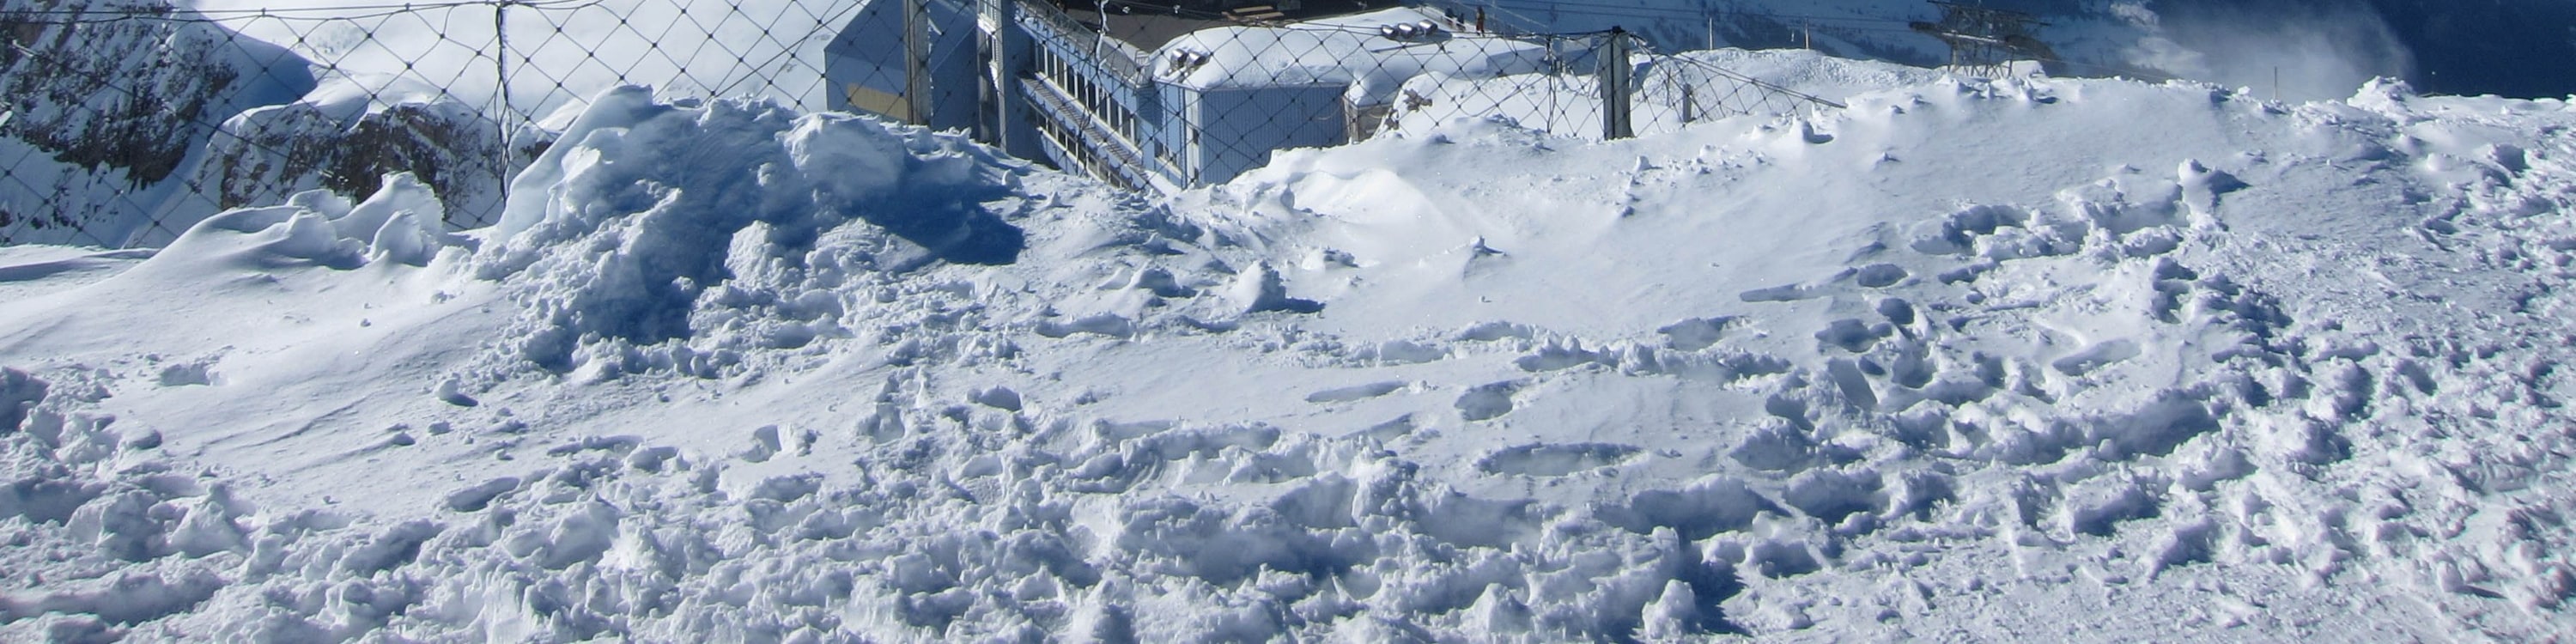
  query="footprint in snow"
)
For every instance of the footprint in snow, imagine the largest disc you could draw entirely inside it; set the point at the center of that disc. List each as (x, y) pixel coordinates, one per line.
(1556, 460)
(1487, 401)
(1878, 275)
(2099, 355)
(1355, 392)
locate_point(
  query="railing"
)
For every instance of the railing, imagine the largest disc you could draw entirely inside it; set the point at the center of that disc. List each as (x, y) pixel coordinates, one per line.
(1110, 54)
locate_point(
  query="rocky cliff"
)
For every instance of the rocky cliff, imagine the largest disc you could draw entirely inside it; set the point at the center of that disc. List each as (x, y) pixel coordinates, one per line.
(126, 121)
(108, 101)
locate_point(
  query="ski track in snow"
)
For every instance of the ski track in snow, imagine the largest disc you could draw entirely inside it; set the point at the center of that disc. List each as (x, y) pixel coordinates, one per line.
(2048, 359)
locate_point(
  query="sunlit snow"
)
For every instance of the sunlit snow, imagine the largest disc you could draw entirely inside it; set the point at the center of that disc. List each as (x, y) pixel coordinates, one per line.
(2090, 360)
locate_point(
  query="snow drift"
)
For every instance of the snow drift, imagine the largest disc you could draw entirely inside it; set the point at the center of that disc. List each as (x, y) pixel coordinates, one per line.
(1960, 361)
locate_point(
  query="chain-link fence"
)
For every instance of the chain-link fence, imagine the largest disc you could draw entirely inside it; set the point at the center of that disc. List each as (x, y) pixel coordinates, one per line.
(127, 120)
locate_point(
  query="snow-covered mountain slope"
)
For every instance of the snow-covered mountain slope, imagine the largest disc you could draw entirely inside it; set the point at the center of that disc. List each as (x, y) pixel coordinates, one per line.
(2054, 359)
(105, 118)
(124, 129)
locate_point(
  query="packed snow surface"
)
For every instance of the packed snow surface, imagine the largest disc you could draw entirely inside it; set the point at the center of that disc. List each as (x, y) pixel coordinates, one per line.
(2019, 360)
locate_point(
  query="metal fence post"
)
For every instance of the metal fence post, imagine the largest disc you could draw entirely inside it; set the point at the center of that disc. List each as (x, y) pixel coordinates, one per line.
(916, 62)
(992, 18)
(1614, 87)
(504, 117)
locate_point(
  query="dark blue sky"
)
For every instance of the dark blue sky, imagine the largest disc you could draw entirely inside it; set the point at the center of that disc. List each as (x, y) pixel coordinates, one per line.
(2524, 48)
(2519, 48)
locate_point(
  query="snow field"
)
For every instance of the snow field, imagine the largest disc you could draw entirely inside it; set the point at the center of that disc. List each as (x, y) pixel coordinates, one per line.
(1966, 360)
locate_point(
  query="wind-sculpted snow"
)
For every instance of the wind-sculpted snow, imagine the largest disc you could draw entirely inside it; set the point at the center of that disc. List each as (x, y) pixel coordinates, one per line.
(346, 134)
(2059, 360)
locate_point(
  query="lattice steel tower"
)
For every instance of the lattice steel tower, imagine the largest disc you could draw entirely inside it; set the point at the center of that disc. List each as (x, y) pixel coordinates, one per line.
(1984, 40)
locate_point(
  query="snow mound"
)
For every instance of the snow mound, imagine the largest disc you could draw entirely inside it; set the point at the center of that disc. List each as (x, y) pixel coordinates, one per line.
(401, 222)
(680, 236)
(651, 222)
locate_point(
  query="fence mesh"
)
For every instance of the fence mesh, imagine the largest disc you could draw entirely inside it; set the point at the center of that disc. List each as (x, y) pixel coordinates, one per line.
(128, 120)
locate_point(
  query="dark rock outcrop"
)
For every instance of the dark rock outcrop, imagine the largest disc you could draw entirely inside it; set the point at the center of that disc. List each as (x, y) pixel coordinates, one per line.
(107, 101)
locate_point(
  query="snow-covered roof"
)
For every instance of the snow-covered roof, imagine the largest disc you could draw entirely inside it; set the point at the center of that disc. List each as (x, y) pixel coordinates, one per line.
(1340, 50)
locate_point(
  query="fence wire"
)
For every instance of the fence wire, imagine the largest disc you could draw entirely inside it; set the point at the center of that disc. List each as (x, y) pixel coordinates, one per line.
(125, 121)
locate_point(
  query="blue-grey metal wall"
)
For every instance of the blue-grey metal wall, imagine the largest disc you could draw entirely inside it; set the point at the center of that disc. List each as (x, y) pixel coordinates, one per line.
(865, 67)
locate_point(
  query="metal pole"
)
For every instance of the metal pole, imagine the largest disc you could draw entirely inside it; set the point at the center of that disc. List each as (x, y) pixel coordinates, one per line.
(506, 118)
(501, 68)
(916, 57)
(1614, 86)
(1000, 16)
